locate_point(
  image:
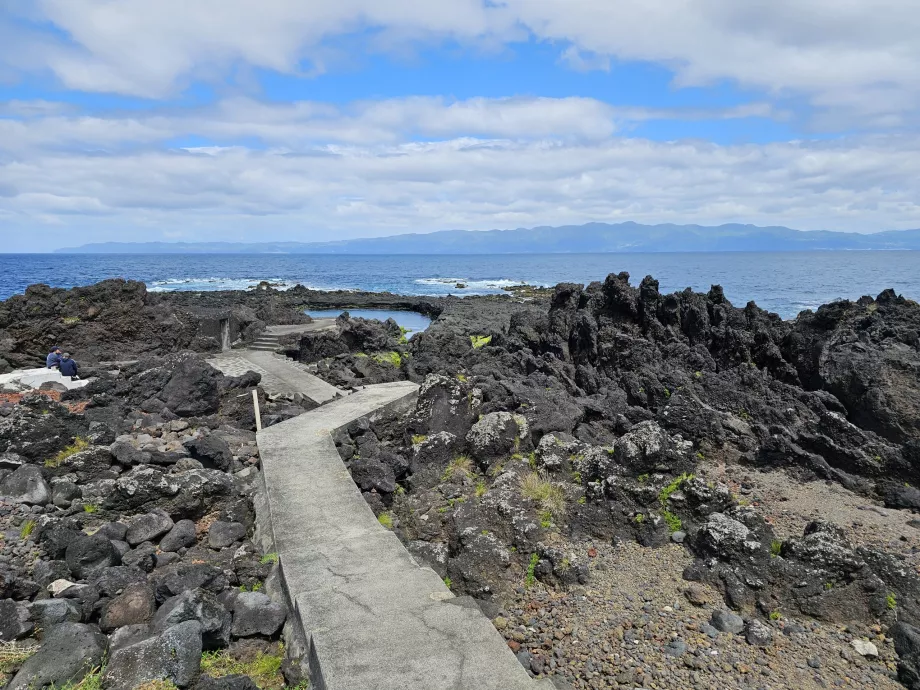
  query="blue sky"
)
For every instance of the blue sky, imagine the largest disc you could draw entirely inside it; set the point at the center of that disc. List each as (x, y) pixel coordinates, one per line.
(297, 120)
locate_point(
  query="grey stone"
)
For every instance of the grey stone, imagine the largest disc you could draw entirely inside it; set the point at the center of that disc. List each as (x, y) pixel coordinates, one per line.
(68, 652)
(675, 648)
(814, 662)
(678, 537)
(50, 612)
(173, 655)
(113, 530)
(758, 633)
(89, 557)
(64, 493)
(135, 605)
(15, 620)
(865, 648)
(128, 635)
(143, 557)
(182, 535)
(148, 527)
(223, 534)
(709, 631)
(727, 622)
(255, 614)
(201, 606)
(26, 485)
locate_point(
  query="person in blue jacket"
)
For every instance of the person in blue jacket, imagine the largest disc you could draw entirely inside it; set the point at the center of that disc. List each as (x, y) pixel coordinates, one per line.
(53, 360)
(69, 367)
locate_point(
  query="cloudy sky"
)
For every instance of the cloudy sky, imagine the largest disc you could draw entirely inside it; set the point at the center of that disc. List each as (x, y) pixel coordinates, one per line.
(310, 120)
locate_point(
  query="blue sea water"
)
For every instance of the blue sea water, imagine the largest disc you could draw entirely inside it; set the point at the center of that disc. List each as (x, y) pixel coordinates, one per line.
(783, 282)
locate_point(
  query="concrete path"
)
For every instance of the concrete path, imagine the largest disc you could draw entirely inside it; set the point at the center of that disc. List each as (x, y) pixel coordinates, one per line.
(280, 375)
(369, 616)
(317, 325)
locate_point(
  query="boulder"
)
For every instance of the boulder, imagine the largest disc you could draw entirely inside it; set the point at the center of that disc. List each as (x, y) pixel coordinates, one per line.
(255, 614)
(223, 534)
(196, 605)
(26, 485)
(135, 605)
(907, 645)
(182, 535)
(68, 653)
(174, 655)
(148, 527)
(15, 620)
(89, 556)
(372, 475)
(192, 389)
(64, 493)
(50, 612)
(727, 622)
(211, 451)
(498, 434)
(143, 557)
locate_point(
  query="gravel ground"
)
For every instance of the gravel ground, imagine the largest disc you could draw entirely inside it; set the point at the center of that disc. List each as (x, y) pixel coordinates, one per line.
(634, 626)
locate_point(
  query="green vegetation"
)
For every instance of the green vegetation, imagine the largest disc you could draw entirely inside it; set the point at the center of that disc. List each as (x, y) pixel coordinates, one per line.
(386, 519)
(393, 358)
(478, 341)
(93, 681)
(828, 586)
(481, 489)
(674, 522)
(642, 478)
(775, 615)
(700, 456)
(70, 320)
(462, 378)
(538, 487)
(360, 354)
(576, 477)
(459, 466)
(667, 393)
(257, 587)
(546, 519)
(419, 438)
(743, 414)
(269, 558)
(403, 340)
(158, 685)
(582, 500)
(27, 528)
(448, 582)
(639, 519)
(891, 601)
(79, 444)
(264, 669)
(775, 547)
(531, 578)
(532, 460)
(698, 374)
(90, 508)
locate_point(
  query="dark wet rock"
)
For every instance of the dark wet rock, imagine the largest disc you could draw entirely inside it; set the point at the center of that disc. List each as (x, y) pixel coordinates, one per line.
(370, 474)
(182, 535)
(135, 605)
(907, 645)
(255, 614)
(26, 485)
(90, 556)
(68, 652)
(200, 606)
(179, 577)
(173, 655)
(63, 493)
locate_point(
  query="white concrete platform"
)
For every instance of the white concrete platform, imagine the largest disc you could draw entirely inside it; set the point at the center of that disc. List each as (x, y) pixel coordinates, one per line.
(371, 617)
(33, 378)
(280, 375)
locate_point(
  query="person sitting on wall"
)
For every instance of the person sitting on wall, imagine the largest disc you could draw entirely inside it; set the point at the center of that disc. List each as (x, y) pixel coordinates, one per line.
(53, 360)
(69, 367)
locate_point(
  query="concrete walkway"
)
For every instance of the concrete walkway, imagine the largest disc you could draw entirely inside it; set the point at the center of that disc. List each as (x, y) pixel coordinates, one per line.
(369, 617)
(280, 375)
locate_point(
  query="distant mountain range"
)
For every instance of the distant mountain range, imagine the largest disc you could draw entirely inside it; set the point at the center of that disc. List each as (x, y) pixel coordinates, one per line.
(567, 239)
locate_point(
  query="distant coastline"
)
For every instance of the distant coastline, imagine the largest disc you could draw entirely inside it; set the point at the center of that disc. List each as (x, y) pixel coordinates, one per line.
(570, 239)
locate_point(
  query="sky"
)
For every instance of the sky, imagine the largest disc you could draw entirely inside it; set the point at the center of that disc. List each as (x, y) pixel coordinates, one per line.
(241, 120)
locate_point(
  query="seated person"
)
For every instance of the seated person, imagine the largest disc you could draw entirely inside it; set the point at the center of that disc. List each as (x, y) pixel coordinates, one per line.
(53, 360)
(68, 367)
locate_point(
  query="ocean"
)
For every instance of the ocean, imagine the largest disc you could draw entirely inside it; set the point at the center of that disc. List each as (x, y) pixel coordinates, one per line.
(782, 282)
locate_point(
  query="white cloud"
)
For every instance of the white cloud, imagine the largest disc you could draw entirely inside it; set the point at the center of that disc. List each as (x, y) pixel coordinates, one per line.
(859, 61)
(368, 176)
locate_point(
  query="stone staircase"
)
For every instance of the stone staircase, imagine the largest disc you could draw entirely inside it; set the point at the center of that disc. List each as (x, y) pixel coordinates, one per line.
(267, 343)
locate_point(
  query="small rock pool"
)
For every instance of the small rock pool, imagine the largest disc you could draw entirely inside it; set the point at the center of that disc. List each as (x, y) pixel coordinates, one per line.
(411, 321)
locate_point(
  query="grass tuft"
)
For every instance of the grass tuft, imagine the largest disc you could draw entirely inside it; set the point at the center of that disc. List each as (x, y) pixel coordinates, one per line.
(673, 521)
(776, 546)
(269, 558)
(264, 669)
(460, 465)
(891, 601)
(27, 528)
(79, 444)
(419, 438)
(393, 358)
(90, 508)
(531, 578)
(538, 487)
(481, 488)
(386, 519)
(478, 341)
(12, 656)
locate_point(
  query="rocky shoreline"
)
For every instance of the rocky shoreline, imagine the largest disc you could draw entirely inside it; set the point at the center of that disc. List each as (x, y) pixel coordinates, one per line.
(640, 490)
